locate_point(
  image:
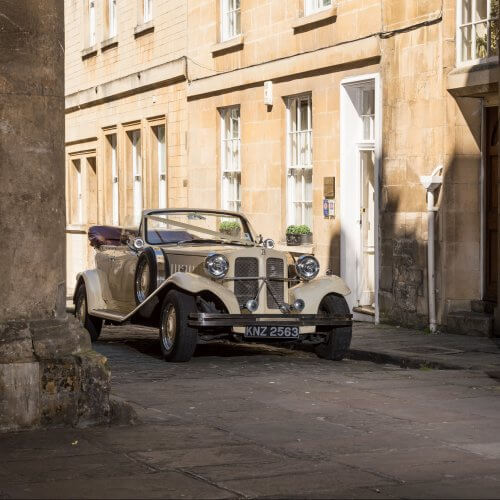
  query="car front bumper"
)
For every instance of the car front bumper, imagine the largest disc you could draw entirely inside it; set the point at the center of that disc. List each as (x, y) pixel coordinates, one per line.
(209, 320)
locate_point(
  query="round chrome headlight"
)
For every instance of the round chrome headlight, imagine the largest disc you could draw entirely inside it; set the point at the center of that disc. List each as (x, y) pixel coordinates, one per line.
(307, 267)
(216, 265)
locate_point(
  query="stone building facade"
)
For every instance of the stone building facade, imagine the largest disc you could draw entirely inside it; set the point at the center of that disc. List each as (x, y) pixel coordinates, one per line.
(307, 112)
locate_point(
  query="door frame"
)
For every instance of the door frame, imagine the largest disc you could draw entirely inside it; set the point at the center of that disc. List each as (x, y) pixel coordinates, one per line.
(345, 190)
(483, 266)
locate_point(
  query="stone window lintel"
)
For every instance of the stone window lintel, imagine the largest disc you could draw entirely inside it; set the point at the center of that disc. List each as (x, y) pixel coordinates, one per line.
(234, 43)
(317, 17)
(89, 52)
(142, 29)
(109, 43)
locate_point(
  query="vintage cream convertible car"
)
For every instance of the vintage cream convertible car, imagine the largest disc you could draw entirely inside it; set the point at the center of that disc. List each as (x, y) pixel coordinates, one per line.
(202, 275)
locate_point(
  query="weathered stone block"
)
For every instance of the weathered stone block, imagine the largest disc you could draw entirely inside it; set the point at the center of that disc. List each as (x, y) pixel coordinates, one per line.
(59, 391)
(19, 395)
(405, 296)
(95, 385)
(15, 342)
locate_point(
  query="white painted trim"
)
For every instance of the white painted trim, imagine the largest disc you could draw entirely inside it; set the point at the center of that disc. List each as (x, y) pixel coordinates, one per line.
(355, 81)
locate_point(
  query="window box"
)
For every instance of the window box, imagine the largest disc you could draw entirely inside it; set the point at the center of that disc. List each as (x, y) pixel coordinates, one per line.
(143, 29)
(310, 21)
(296, 240)
(235, 43)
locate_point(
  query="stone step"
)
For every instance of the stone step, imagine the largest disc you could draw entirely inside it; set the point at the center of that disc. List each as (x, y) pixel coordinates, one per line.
(482, 306)
(470, 323)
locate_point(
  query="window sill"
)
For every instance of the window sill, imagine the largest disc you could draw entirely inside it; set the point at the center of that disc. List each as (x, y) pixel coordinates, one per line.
(311, 21)
(109, 43)
(235, 43)
(307, 249)
(89, 52)
(143, 29)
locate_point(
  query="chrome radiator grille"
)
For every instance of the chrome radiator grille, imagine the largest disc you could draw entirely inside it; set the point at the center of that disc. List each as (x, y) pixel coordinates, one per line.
(245, 290)
(275, 269)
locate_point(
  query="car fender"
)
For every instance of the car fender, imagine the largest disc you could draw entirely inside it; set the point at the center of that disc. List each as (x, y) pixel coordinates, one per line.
(194, 283)
(94, 280)
(313, 292)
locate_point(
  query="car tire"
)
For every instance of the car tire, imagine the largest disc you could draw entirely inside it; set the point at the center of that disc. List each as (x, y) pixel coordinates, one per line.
(339, 339)
(146, 269)
(91, 323)
(177, 340)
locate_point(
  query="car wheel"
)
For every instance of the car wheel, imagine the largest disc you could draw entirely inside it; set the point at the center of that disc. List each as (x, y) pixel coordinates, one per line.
(145, 275)
(92, 324)
(339, 339)
(177, 340)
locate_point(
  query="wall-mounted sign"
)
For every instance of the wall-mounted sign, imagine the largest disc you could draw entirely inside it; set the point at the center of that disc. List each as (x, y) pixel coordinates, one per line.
(326, 209)
(329, 188)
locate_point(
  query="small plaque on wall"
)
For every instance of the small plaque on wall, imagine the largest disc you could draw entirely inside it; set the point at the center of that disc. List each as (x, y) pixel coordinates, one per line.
(329, 188)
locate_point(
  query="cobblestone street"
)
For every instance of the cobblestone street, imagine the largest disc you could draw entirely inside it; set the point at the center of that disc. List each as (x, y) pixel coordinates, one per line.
(252, 421)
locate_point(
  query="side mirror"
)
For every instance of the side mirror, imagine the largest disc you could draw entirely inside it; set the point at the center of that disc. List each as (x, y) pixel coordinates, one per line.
(138, 243)
(269, 243)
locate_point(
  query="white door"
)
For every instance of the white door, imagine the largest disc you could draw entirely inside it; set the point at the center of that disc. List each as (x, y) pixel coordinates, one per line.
(358, 191)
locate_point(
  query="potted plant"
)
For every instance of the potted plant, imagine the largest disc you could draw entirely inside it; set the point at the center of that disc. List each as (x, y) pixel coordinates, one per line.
(298, 235)
(230, 228)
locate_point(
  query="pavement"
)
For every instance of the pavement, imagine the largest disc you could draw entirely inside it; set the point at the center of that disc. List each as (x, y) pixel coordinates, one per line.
(253, 421)
(415, 348)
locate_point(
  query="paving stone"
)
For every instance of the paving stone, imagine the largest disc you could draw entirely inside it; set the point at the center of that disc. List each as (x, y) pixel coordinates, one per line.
(478, 488)
(100, 465)
(220, 455)
(160, 485)
(421, 464)
(312, 484)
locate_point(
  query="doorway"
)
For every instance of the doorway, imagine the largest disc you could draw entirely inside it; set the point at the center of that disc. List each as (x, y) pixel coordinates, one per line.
(360, 145)
(491, 191)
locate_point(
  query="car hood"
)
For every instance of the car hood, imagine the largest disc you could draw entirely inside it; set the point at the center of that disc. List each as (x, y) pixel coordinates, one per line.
(228, 250)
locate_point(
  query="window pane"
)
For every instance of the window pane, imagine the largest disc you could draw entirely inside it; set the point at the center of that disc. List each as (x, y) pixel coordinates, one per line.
(481, 11)
(466, 43)
(466, 11)
(304, 114)
(481, 40)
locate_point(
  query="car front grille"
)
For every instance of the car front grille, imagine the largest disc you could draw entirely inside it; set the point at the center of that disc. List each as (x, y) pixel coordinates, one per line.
(275, 269)
(246, 290)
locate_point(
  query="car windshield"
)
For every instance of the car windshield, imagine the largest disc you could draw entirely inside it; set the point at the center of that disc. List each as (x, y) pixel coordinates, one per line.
(195, 228)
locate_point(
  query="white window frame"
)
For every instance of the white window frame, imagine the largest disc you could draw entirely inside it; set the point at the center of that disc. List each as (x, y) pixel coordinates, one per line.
(147, 11)
(473, 23)
(230, 11)
(299, 162)
(112, 19)
(91, 23)
(230, 169)
(313, 6)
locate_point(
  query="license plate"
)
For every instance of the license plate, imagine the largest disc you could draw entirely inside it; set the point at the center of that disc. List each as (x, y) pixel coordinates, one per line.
(272, 332)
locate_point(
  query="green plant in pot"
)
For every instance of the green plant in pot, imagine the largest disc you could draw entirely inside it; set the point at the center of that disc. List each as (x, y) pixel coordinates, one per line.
(230, 228)
(298, 235)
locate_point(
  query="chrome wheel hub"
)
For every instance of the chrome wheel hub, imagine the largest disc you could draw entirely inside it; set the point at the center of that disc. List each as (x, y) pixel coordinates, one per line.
(142, 282)
(169, 327)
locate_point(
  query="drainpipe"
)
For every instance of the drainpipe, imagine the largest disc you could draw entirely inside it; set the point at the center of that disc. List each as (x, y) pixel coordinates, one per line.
(431, 183)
